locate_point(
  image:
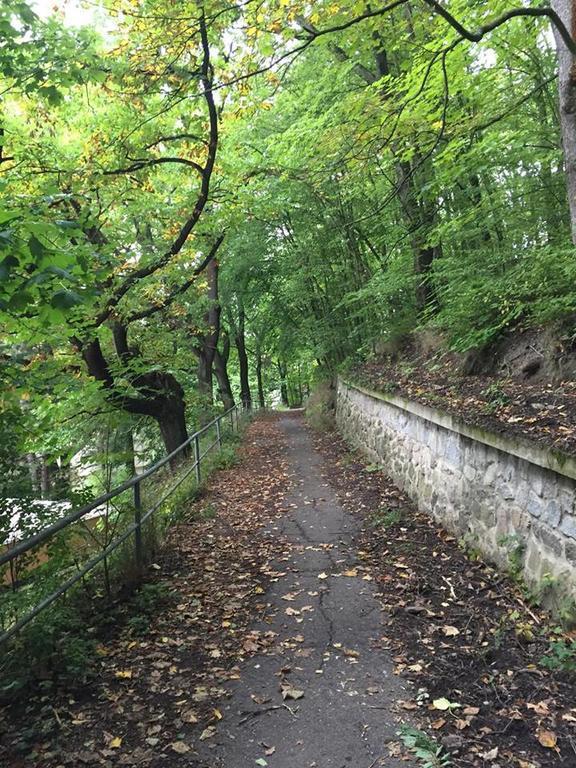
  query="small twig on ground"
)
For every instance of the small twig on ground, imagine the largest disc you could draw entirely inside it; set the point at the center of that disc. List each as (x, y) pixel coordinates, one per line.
(451, 587)
(250, 713)
(290, 710)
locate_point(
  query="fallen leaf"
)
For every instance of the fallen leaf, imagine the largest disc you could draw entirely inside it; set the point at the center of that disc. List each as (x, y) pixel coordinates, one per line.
(450, 631)
(443, 704)
(548, 739)
(115, 742)
(541, 708)
(180, 747)
(125, 674)
(291, 693)
(207, 733)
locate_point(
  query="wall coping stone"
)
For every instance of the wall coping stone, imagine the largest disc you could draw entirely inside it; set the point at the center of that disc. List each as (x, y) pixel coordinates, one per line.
(548, 458)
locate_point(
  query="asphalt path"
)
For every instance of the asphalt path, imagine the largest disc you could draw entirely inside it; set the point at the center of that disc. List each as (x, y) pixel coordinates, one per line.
(324, 694)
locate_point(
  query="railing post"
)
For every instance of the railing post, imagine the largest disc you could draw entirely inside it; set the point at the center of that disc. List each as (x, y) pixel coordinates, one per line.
(197, 458)
(138, 549)
(218, 435)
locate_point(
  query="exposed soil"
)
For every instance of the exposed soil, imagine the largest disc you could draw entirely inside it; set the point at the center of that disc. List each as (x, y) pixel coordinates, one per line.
(544, 413)
(459, 631)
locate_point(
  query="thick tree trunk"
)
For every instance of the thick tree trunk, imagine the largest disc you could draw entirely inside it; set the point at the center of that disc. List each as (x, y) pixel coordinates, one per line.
(205, 349)
(221, 372)
(566, 9)
(159, 395)
(204, 374)
(172, 422)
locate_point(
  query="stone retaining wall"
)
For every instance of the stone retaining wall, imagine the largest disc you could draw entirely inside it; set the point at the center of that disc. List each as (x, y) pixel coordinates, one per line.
(508, 498)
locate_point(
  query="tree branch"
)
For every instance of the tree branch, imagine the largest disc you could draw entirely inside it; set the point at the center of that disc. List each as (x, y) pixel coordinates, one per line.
(176, 137)
(477, 35)
(474, 36)
(206, 78)
(180, 289)
(140, 163)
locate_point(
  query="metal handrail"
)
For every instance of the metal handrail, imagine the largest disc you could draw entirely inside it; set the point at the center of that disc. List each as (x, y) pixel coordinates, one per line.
(73, 517)
(134, 528)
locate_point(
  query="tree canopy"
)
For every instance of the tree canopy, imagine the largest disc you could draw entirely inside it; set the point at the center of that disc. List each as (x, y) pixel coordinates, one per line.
(213, 201)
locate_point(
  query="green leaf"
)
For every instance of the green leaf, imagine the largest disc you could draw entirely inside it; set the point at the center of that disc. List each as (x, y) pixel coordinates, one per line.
(37, 248)
(65, 299)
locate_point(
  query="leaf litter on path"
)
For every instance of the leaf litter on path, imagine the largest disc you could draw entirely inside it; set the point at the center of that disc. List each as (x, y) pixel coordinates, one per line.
(156, 693)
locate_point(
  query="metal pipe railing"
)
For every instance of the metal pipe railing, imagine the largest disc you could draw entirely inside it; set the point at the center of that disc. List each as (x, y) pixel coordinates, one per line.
(135, 527)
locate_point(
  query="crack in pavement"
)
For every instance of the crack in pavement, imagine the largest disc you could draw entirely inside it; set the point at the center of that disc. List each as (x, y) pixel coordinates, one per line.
(327, 624)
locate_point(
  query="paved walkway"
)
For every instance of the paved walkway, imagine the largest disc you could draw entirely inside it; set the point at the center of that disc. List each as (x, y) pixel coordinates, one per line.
(338, 683)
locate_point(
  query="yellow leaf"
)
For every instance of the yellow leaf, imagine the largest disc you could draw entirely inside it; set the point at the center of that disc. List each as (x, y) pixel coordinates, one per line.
(548, 739)
(125, 674)
(115, 742)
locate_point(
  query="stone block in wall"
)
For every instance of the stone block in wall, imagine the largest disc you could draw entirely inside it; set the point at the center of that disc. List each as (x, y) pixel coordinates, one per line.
(490, 474)
(568, 526)
(533, 505)
(549, 538)
(551, 513)
(570, 552)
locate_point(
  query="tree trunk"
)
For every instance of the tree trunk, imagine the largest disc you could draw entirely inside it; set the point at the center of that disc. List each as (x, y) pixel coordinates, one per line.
(204, 374)
(205, 349)
(240, 341)
(567, 91)
(221, 372)
(159, 394)
(172, 422)
(261, 398)
(283, 371)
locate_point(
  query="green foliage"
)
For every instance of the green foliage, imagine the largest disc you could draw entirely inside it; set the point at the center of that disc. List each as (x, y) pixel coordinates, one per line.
(496, 396)
(424, 748)
(207, 512)
(561, 655)
(357, 205)
(385, 518)
(149, 600)
(59, 647)
(226, 458)
(515, 548)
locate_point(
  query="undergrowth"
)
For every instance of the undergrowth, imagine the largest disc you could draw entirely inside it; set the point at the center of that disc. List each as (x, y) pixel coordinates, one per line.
(423, 746)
